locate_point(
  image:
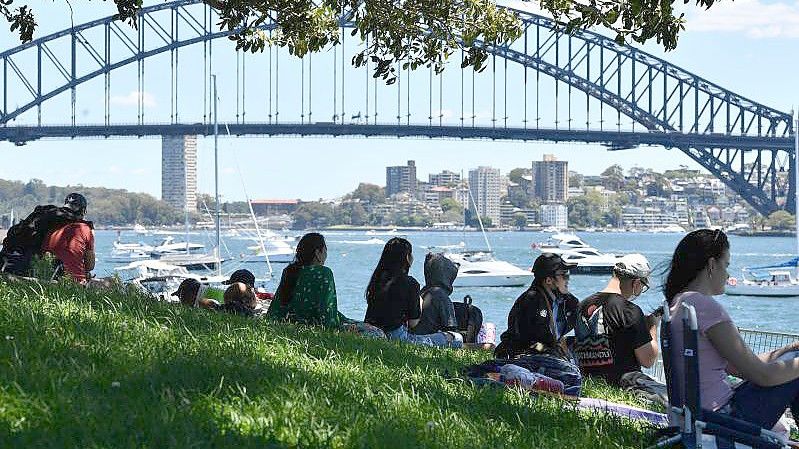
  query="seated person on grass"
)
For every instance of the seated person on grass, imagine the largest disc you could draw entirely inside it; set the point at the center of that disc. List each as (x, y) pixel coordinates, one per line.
(438, 313)
(614, 338)
(240, 299)
(392, 298)
(192, 293)
(542, 316)
(307, 291)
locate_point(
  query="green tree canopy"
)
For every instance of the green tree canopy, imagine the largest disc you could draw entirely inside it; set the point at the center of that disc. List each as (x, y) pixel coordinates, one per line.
(416, 33)
(519, 220)
(369, 193)
(781, 220)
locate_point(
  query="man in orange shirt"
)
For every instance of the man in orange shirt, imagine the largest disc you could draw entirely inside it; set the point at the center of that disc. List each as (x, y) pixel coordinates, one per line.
(73, 244)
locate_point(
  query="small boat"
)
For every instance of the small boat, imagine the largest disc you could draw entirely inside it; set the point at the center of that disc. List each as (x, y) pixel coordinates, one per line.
(770, 281)
(191, 261)
(278, 251)
(127, 255)
(559, 242)
(572, 249)
(389, 232)
(169, 245)
(481, 269)
(590, 261)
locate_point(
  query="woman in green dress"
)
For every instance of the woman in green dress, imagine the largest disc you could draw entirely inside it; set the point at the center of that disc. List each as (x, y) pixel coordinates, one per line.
(307, 292)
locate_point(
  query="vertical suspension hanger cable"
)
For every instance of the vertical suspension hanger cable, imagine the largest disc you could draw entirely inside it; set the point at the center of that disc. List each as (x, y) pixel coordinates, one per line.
(430, 97)
(408, 95)
(277, 85)
(441, 98)
(569, 92)
(270, 76)
(205, 63)
(335, 85)
(399, 93)
(473, 115)
(310, 87)
(238, 79)
(462, 70)
(243, 85)
(505, 101)
(366, 83)
(557, 84)
(537, 78)
(494, 90)
(343, 69)
(524, 121)
(302, 90)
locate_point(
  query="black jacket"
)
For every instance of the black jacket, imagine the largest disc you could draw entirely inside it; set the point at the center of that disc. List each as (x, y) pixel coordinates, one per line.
(531, 328)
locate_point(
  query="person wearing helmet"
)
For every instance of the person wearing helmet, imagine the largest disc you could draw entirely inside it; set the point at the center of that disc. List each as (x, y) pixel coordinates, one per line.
(614, 338)
(73, 244)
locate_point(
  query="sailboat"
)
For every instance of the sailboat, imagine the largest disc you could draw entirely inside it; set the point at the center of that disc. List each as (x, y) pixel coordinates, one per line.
(779, 280)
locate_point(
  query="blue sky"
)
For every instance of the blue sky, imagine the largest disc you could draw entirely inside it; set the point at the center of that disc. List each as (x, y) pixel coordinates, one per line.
(747, 46)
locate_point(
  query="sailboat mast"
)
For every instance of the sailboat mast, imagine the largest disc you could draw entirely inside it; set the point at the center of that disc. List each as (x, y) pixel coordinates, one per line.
(216, 181)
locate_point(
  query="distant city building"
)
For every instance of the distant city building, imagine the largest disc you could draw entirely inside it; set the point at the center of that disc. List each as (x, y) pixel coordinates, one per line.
(550, 180)
(401, 179)
(179, 172)
(484, 187)
(555, 215)
(274, 207)
(647, 219)
(508, 212)
(445, 178)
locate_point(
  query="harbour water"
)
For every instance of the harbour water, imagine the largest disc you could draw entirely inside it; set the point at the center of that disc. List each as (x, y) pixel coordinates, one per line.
(352, 257)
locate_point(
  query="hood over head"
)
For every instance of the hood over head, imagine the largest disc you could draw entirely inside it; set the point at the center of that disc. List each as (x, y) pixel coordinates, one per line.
(439, 271)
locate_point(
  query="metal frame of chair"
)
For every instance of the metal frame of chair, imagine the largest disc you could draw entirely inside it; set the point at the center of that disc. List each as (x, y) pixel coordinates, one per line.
(689, 420)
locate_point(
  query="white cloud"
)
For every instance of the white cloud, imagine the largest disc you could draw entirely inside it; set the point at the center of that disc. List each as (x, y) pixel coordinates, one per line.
(132, 99)
(755, 18)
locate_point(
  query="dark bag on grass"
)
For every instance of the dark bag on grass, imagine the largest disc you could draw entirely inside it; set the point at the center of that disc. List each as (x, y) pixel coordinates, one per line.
(24, 240)
(554, 367)
(469, 318)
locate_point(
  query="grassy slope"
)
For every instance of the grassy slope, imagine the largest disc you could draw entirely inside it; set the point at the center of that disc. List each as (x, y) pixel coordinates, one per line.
(102, 370)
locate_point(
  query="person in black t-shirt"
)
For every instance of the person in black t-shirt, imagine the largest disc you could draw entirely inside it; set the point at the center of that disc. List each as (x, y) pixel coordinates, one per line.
(393, 298)
(613, 337)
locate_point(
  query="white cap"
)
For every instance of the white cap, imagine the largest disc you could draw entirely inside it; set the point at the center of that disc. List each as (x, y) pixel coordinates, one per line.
(633, 266)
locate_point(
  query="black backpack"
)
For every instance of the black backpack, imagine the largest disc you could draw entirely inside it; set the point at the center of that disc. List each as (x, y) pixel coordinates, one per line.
(470, 319)
(24, 240)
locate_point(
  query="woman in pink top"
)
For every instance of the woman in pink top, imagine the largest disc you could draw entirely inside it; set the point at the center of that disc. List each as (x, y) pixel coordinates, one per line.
(697, 272)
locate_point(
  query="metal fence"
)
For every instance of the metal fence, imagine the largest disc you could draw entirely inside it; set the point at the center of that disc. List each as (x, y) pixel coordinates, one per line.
(758, 342)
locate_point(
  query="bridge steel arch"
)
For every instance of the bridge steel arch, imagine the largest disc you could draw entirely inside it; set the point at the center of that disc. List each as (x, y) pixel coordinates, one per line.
(744, 143)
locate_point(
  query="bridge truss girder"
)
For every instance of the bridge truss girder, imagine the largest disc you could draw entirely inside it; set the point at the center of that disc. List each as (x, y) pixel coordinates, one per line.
(704, 120)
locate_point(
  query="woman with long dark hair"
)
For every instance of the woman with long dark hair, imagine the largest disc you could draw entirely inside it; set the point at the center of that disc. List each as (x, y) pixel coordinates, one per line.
(307, 291)
(393, 298)
(697, 272)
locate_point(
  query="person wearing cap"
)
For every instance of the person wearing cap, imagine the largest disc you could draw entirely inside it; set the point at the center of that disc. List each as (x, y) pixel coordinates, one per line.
(613, 337)
(192, 293)
(73, 244)
(542, 315)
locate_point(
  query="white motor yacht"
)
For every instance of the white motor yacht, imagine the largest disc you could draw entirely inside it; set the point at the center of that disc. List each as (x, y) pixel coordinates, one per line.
(481, 269)
(127, 255)
(169, 245)
(278, 251)
(559, 242)
(573, 249)
(192, 261)
(590, 261)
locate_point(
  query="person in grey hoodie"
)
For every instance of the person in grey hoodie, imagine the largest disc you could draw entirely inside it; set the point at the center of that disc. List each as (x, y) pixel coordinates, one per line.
(438, 313)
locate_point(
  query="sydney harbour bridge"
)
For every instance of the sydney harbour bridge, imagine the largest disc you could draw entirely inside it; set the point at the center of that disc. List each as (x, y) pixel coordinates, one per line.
(546, 86)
